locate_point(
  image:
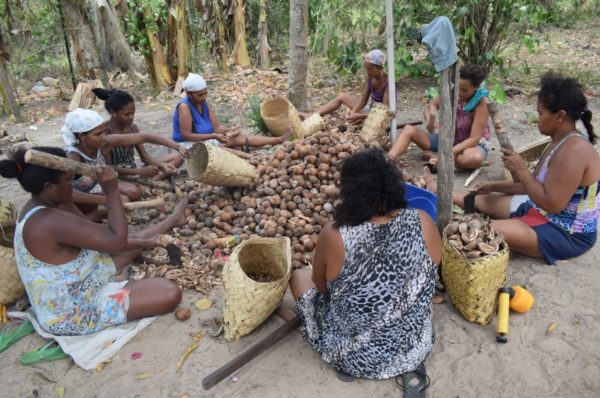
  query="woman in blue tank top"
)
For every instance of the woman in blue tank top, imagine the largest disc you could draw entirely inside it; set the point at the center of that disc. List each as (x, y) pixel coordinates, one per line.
(194, 121)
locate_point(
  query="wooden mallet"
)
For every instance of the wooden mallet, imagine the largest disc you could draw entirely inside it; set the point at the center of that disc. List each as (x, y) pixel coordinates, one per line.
(50, 161)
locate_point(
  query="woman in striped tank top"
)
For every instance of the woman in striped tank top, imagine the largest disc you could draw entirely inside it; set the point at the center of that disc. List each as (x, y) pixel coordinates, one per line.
(121, 107)
(552, 212)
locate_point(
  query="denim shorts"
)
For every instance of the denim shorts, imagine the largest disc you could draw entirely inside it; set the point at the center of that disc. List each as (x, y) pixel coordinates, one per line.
(434, 139)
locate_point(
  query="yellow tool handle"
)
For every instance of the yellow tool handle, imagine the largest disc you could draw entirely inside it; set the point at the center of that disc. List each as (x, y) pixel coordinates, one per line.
(503, 309)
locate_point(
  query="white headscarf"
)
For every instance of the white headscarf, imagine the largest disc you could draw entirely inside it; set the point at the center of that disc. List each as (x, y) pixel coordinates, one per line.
(79, 121)
(194, 82)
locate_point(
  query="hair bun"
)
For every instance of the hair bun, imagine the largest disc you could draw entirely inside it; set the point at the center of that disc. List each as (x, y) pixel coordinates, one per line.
(9, 168)
(102, 93)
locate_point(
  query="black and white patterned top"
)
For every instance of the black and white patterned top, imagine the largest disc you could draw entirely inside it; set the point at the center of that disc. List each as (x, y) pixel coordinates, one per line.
(123, 156)
(375, 320)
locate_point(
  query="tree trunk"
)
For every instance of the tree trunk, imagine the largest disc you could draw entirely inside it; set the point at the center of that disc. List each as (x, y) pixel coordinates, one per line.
(182, 48)
(298, 53)
(6, 93)
(121, 8)
(115, 51)
(221, 37)
(263, 39)
(239, 23)
(82, 39)
(157, 62)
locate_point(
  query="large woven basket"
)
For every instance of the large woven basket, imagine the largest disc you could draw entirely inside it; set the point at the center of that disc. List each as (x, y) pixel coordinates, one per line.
(376, 123)
(279, 114)
(312, 124)
(8, 220)
(530, 152)
(473, 284)
(247, 303)
(11, 287)
(212, 165)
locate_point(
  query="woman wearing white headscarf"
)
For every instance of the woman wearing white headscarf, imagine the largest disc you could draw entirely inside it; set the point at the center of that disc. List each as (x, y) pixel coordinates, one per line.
(193, 121)
(375, 90)
(86, 140)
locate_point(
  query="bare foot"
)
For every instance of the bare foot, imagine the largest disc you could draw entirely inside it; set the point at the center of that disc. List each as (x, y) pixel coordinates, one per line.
(178, 216)
(430, 181)
(426, 155)
(438, 299)
(304, 115)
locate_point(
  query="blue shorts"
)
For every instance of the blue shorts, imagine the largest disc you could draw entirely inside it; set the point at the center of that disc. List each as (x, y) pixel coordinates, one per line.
(554, 242)
(434, 139)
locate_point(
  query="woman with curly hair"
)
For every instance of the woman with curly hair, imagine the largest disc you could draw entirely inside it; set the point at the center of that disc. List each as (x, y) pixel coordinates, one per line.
(552, 212)
(366, 304)
(472, 133)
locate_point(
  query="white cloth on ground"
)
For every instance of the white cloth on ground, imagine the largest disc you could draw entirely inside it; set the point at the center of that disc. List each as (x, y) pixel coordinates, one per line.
(90, 350)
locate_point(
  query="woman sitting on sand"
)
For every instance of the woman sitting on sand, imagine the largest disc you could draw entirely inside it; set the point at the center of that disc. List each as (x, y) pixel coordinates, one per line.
(366, 305)
(552, 212)
(68, 264)
(376, 90)
(86, 140)
(121, 107)
(193, 121)
(472, 134)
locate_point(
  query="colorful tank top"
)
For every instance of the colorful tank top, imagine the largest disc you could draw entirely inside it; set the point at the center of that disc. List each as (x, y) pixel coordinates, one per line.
(74, 298)
(86, 183)
(583, 209)
(201, 123)
(464, 122)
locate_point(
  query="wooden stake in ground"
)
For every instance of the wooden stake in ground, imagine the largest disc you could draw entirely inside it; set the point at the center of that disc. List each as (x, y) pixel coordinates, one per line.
(445, 181)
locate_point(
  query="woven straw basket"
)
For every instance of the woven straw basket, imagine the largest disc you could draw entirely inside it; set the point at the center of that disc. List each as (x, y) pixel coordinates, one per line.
(530, 152)
(279, 114)
(473, 284)
(8, 220)
(11, 287)
(247, 303)
(376, 123)
(216, 166)
(312, 124)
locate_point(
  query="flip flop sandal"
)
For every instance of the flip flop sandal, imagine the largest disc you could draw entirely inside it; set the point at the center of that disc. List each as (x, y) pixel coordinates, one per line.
(345, 377)
(414, 383)
(49, 352)
(14, 331)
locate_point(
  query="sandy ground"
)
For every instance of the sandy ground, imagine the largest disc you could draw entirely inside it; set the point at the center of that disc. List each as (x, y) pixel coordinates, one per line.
(466, 360)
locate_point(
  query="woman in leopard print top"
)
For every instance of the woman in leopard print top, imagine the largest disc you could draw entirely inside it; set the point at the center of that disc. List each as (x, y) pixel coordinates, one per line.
(366, 305)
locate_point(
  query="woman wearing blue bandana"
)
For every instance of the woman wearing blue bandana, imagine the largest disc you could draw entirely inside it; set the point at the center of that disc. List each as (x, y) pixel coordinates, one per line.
(472, 134)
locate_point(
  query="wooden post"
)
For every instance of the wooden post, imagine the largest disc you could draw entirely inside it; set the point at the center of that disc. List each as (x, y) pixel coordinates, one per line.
(389, 32)
(445, 181)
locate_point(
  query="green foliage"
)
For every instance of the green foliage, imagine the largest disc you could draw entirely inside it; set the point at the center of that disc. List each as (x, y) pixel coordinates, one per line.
(258, 124)
(136, 23)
